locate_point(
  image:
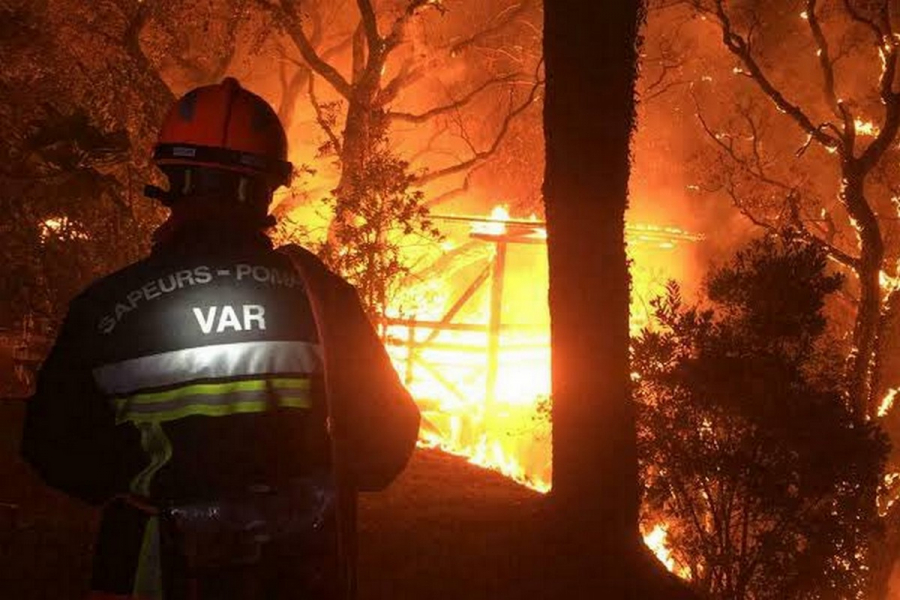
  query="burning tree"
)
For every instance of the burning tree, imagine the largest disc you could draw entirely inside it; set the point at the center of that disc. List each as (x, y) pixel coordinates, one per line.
(832, 182)
(765, 479)
(386, 66)
(804, 137)
(378, 196)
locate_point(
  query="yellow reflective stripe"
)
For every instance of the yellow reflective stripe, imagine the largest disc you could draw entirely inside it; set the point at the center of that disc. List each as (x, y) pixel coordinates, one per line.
(158, 448)
(205, 410)
(295, 402)
(216, 389)
(148, 583)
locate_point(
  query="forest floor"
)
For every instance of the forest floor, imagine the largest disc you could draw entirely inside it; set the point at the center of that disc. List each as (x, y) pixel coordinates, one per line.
(444, 529)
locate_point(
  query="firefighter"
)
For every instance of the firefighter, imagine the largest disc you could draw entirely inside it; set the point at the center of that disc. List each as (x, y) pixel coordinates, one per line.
(223, 401)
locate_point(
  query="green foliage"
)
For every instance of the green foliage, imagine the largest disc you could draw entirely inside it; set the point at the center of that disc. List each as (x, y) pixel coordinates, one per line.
(377, 221)
(748, 451)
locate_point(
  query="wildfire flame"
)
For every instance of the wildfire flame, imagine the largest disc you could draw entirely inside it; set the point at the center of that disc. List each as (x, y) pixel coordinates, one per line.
(865, 128)
(656, 541)
(887, 402)
(473, 347)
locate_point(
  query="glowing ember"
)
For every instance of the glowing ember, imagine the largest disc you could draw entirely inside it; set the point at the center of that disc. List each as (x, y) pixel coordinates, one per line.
(865, 128)
(889, 492)
(62, 228)
(887, 402)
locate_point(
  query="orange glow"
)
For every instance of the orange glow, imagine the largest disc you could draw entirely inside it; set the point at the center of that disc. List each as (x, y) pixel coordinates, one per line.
(61, 228)
(887, 402)
(657, 541)
(471, 338)
(865, 128)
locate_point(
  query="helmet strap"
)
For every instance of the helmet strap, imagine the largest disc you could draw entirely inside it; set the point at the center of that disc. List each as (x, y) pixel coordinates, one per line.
(187, 185)
(243, 190)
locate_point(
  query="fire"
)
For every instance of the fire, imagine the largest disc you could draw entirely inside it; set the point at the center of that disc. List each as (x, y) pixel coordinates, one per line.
(496, 224)
(471, 339)
(865, 128)
(887, 402)
(60, 227)
(889, 492)
(657, 540)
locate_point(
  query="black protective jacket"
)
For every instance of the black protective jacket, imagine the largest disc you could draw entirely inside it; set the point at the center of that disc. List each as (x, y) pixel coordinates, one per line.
(215, 364)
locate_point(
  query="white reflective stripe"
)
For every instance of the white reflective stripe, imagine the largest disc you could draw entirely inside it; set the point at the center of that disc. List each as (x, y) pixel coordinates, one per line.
(208, 362)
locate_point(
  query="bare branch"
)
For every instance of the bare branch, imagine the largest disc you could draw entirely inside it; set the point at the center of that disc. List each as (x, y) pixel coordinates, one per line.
(824, 52)
(398, 29)
(293, 25)
(428, 147)
(502, 20)
(663, 89)
(754, 169)
(659, 86)
(370, 24)
(358, 66)
(321, 118)
(888, 49)
(455, 192)
(867, 22)
(413, 71)
(407, 76)
(456, 104)
(480, 156)
(740, 47)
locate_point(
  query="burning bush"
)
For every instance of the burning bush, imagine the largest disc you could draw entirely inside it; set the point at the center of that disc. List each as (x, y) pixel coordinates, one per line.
(765, 479)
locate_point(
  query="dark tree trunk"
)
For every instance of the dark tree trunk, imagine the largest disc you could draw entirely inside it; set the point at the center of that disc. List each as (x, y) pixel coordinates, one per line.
(862, 375)
(590, 52)
(590, 49)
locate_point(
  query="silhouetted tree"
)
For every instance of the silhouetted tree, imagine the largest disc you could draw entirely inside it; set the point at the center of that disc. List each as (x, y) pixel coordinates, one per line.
(765, 477)
(590, 50)
(77, 113)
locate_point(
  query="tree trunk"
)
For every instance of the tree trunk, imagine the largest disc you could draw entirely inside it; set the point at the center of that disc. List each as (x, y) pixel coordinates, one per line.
(861, 373)
(590, 53)
(590, 50)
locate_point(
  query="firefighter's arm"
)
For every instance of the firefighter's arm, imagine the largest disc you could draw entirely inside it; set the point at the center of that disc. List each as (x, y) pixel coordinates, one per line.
(379, 421)
(70, 436)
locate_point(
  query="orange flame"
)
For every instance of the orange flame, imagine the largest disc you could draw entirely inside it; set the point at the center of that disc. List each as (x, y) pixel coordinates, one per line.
(473, 345)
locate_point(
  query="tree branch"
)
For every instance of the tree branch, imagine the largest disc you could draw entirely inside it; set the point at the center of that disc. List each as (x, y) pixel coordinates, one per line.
(455, 192)
(740, 47)
(507, 16)
(407, 76)
(321, 118)
(398, 29)
(410, 73)
(865, 21)
(825, 63)
(370, 24)
(293, 26)
(480, 156)
(887, 48)
(459, 103)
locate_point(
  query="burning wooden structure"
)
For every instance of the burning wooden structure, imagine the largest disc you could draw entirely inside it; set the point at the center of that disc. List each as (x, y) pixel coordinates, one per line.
(473, 344)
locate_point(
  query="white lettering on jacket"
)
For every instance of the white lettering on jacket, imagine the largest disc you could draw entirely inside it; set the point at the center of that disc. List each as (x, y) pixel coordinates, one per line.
(254, 316)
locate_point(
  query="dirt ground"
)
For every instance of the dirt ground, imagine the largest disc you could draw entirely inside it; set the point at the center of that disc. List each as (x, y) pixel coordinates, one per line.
(445, 529)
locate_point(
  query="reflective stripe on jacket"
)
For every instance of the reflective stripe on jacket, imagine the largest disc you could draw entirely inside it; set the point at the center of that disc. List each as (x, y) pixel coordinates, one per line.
(194, 372)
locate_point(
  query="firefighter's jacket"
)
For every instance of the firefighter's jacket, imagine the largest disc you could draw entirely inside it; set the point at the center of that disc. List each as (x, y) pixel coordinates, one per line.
(202, 369)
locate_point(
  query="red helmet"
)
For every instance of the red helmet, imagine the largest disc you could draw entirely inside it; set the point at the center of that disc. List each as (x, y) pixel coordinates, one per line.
(226, 127)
